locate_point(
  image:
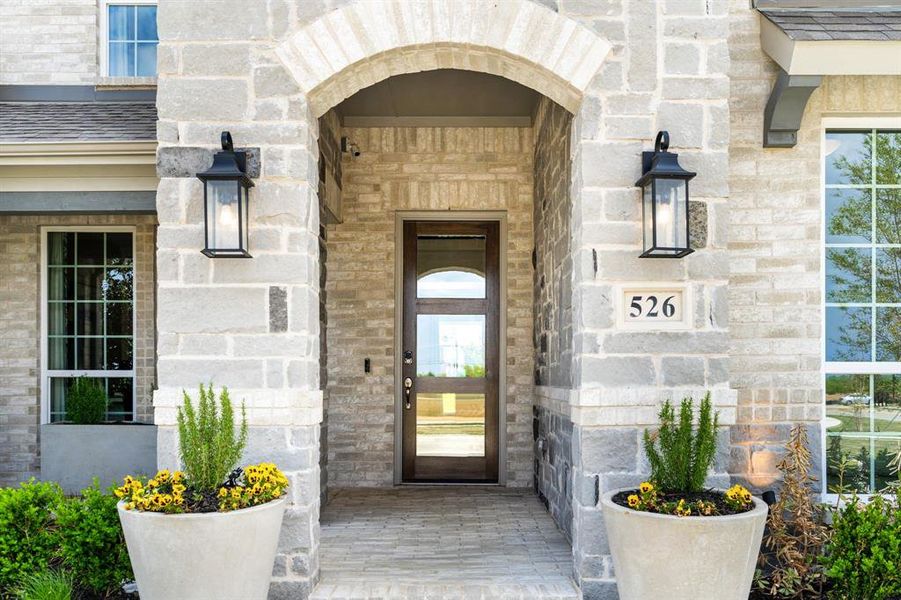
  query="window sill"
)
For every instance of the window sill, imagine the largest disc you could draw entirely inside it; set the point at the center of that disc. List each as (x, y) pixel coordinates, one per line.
(113, 83)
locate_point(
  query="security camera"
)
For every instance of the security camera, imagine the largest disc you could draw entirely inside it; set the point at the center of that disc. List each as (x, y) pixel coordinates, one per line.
(348, 146)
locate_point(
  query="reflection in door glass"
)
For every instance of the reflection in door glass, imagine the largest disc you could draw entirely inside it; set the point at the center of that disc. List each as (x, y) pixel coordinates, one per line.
(450, 345)
(450, 267)
(450, 425)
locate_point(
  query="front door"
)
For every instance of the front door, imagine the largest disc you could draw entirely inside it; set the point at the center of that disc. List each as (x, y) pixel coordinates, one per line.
(449, 390)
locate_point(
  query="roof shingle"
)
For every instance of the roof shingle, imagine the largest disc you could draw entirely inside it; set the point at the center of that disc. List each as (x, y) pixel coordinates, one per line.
(806, 25)
(77, 121)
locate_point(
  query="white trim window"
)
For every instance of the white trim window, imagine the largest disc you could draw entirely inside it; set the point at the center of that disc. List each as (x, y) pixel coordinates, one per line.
(862, 297)
(130, 38)
(88, 316)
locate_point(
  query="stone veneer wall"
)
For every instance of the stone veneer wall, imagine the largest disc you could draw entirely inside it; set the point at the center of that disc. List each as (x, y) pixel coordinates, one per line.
(553, 246)
(20, 341)
(552, 309)
(668, 69)
(329, 163)
(418, 168)
(48, 42)
(775, 238)
(626, 69)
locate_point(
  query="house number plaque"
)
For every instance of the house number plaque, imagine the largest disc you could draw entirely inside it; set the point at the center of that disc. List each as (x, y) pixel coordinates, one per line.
(645, 307)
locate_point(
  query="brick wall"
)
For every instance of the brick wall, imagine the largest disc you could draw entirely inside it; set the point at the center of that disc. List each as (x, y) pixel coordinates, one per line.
(48, 41)
(418, 169)
(20, 262)
(775, 287)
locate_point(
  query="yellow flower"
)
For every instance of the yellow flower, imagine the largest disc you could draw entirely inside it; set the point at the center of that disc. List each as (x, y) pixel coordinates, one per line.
(646, 487)
(633, 500)
(153, 483)
(223, 492)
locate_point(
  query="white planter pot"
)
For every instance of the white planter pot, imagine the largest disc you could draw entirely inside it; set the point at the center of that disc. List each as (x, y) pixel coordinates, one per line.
(203, 556)
(683, 558)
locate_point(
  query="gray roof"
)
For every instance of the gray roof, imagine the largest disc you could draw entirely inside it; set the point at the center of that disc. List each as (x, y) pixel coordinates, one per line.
(77, 121)
(807, 25)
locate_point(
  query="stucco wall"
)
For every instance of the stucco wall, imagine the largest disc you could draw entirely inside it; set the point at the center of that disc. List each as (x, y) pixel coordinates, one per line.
(20, 268)
(417, 168)
(48, 41)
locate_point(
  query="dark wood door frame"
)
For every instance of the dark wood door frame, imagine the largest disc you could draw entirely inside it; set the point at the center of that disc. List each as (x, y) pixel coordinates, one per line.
(493, 225)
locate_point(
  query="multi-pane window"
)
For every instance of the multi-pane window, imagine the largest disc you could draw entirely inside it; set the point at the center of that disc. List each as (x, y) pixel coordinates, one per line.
(863, 306)
(89, 295)
(131, 40)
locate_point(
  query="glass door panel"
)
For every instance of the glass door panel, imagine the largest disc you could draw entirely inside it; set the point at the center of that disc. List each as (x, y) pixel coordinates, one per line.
(450, 266)
(450, 424)
(450, 345)
(450, 351)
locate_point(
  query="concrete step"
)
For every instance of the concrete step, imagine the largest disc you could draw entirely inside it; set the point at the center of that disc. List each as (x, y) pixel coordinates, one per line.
(374, 590)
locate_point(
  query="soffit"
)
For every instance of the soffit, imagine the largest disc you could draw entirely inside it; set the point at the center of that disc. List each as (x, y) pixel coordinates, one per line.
(442, 96)
(833, 42)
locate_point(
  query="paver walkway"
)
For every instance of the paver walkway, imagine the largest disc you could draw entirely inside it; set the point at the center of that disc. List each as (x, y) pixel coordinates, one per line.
(441, 542)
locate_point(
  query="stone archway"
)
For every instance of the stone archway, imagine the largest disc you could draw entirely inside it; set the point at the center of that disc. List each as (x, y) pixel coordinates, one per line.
(363, 43)
(263, 339)
(366, 42)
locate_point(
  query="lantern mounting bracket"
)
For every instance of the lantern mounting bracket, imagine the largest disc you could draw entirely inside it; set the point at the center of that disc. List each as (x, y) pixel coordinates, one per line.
(229, 146)
(661, 144)
(227, 143)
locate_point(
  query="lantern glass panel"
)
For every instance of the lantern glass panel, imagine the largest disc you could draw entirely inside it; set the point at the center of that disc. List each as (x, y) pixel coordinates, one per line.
(647, 206)
(245, 224)
(671, 220)
(222, 212)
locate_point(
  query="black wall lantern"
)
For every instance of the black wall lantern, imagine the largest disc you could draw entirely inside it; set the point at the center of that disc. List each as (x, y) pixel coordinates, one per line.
(225, 193)
(664, 202)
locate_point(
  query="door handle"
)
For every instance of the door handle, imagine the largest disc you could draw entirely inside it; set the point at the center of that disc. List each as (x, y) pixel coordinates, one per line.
(408, 388)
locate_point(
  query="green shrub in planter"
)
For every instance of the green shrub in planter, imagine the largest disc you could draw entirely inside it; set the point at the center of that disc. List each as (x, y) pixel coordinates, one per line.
(91, 543)
(680, 453)
(863, 556)
(86, 402)
(28, 541)
(46, 585)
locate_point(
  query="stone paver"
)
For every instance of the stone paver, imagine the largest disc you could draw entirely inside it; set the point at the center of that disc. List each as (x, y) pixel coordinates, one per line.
(441, 542)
